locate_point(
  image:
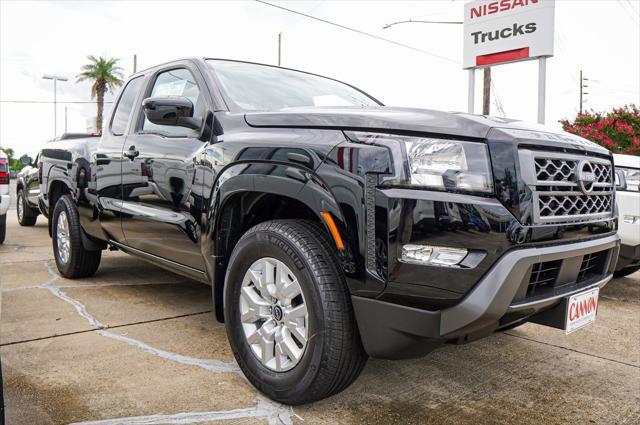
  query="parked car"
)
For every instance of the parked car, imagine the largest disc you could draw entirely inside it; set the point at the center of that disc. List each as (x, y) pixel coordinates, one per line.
(28, 191)
(5, 198)
(628, 200)
(332, 227)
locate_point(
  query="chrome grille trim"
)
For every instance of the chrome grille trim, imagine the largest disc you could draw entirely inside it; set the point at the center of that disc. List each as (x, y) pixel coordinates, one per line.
(557, 196)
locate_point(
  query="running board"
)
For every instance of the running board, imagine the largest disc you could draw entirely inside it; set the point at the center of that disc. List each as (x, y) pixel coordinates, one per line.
(163, 262)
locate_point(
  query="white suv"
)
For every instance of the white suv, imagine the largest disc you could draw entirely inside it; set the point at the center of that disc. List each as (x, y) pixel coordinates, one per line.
(4, 194)
(628, 198)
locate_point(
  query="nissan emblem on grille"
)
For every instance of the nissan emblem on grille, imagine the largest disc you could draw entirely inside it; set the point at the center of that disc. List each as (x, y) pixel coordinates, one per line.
(585, 176)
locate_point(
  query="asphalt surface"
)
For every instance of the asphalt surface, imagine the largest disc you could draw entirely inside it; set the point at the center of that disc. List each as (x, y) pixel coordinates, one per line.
(137, 345)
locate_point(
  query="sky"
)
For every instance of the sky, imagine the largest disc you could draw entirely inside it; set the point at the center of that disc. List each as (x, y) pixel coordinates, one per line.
(599, 37)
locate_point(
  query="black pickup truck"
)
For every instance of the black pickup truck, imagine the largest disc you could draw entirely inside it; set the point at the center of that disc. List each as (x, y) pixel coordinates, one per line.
(330, 227)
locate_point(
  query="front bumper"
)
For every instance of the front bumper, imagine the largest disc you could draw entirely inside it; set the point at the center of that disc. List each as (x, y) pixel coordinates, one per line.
(499, 298)
(4, 203)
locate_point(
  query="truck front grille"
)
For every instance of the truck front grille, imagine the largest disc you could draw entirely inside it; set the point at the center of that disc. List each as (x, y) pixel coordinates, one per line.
(556, 206)
(568, 188)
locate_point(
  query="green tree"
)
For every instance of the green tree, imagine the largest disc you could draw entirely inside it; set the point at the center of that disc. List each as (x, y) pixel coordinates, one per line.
(14, 163)
(106, 76)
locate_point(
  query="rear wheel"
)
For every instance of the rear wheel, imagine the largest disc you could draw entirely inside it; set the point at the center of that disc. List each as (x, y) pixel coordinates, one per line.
(26, 215)
(72, 259)
(288, 313)
(3, 227)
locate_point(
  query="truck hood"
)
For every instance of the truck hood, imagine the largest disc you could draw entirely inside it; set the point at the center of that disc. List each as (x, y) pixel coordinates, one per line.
(414, 120)
(381, 118)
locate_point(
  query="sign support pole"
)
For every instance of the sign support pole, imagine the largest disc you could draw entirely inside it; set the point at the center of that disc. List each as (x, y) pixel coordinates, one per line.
(472, 89)
(542, 87)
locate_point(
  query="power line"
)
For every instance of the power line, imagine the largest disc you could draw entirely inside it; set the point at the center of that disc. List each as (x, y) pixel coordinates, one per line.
(633, 16)
(413, 21)
(632, 7)
(366, 34)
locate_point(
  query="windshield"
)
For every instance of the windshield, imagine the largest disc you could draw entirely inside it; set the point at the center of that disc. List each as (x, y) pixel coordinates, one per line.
(253, 87)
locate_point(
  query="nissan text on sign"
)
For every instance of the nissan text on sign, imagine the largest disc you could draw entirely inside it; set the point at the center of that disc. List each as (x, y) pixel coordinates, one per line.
(501, 31)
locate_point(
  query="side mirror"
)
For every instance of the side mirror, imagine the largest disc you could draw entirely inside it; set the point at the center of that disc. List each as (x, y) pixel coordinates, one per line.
(171, 110)
(25, 160)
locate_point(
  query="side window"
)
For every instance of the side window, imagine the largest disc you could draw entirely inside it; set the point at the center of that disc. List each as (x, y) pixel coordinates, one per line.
(125, 105)
(176, 82)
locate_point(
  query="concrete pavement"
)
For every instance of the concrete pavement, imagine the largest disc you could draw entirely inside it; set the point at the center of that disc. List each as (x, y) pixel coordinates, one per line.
(135, 344)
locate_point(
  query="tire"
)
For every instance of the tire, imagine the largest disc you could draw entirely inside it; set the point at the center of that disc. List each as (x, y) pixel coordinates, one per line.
(3, 227)
(72, 259)
(626, 271)
(332, 356)
(26, 215)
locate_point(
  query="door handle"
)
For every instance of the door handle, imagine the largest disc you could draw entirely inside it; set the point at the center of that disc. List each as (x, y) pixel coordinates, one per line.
(131, 153)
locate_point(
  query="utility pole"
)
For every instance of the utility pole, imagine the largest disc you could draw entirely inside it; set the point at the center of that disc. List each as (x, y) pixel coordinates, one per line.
(55, 79)
(582, 92)
(279, 47)
(486, 91)
(135, 63)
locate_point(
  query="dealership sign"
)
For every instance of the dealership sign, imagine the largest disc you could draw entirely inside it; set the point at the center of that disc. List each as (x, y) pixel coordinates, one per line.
(501, 31)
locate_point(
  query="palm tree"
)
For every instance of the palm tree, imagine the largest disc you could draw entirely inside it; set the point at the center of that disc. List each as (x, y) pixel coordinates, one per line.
(106, 75)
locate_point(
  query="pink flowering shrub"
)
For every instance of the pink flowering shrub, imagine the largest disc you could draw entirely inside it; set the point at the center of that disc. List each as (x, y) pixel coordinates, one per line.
(618, 130)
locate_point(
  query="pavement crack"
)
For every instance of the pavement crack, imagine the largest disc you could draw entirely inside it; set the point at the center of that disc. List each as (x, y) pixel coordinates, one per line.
(622, 300)
(123, 325)
(212, 365)
(572, 349)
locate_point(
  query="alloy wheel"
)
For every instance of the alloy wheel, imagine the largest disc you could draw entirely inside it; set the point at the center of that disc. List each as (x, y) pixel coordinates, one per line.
(62, 238)
(274, 314)
(20, 207)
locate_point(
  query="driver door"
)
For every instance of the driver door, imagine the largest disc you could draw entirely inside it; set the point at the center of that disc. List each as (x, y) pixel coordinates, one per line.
(161, 213)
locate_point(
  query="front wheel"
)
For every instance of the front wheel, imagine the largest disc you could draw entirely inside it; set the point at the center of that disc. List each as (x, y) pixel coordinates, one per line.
(26, 215)
(288, 313)
(72, 259)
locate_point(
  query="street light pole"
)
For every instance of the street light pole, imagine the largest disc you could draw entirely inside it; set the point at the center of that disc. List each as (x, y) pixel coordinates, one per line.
(55, 79)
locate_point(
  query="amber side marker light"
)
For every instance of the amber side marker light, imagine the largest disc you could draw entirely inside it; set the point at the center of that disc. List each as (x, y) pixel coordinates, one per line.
(333, 229)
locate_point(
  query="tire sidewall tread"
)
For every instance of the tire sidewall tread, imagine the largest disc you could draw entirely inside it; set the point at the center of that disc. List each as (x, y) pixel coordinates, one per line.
(334, 355)
(82, 262)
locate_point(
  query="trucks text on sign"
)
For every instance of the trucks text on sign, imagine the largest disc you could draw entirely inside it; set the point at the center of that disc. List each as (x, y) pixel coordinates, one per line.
(500, 31)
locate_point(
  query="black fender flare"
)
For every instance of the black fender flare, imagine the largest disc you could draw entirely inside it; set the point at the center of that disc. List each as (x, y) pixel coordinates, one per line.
(281, 179)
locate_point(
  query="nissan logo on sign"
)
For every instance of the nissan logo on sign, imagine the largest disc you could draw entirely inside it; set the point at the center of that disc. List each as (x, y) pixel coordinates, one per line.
(501, 31)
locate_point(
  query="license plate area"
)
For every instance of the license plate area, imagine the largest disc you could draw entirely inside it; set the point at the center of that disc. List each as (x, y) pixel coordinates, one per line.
(581, 310)
(572, 312)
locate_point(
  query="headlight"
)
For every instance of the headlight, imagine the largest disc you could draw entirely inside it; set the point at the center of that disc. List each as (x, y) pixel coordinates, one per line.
(441, 163)
(627, 179)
